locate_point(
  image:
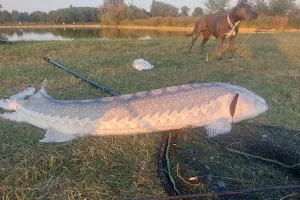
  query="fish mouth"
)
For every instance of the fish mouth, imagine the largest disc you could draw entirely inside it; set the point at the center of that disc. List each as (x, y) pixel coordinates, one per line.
(251, 116)
(239, 119)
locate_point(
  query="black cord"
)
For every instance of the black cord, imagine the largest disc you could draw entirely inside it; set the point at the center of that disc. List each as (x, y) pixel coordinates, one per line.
(252, 190)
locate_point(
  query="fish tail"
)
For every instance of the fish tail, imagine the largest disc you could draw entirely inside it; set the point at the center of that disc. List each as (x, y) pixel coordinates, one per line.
(7, 104)
(22, 95)
(10, 104)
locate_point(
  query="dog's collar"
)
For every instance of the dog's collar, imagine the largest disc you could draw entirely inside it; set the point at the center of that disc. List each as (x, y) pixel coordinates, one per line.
(232, 32)
(230, 23)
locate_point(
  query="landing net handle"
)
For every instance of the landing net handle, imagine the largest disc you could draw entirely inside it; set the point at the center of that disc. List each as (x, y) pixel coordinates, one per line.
(94, 84)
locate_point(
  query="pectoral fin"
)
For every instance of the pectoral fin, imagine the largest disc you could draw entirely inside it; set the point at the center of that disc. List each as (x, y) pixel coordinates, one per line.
(233, 105)
(54, 136)
(218, 128)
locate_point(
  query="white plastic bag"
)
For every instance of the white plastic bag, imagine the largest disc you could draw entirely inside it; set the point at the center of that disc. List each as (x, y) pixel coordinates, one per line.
(145, 38)
(142, 65)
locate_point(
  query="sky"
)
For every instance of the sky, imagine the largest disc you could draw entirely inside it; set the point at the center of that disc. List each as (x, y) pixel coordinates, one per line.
(46, 6)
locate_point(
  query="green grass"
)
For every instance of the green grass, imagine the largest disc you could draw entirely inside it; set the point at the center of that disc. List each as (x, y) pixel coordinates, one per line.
(125, 167)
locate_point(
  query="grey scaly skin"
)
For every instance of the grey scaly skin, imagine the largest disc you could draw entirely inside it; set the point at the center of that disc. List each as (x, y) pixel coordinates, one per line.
(209, 104)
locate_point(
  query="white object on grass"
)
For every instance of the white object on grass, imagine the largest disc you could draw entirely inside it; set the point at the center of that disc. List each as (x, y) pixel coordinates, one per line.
(142, 65)
(145, 38)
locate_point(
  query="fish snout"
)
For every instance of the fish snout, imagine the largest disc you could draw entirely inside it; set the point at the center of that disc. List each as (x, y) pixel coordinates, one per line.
(261, 106)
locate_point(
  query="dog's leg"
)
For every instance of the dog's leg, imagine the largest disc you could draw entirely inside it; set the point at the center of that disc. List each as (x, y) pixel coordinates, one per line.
(195, 37)
(206, 36)
(220, 47)
(231, 45)
(204, 41)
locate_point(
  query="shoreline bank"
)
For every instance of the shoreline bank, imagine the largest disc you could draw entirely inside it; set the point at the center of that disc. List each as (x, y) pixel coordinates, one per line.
(95, 26)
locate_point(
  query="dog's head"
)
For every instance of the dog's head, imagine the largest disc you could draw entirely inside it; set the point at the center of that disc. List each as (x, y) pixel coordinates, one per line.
(244, 11)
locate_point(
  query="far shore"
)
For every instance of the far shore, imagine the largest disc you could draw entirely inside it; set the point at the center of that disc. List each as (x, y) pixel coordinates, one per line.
(79, 26)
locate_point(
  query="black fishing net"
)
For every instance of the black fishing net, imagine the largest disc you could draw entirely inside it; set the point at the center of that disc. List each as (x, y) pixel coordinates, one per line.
(251, 156)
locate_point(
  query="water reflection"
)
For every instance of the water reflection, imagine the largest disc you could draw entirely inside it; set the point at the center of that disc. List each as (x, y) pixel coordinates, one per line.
(67, 34)
(33, 36)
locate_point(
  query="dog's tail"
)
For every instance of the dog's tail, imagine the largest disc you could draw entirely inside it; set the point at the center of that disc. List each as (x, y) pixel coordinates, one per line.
(190, 34)
(194, 31)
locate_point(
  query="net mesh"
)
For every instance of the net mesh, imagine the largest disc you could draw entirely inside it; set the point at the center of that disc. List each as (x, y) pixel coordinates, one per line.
(250, 156)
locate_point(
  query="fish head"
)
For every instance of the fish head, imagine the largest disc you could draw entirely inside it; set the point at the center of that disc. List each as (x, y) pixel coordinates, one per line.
(247, 105)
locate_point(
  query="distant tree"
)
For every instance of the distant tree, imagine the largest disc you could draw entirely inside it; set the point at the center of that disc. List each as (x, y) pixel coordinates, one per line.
(197, 12)
(94, 14)
(67, 15)
(62, 16)
(5, 17)
(24, 17)
(0, 7)
(281, 7)
(134, 12)
(295, 16)
(38, 16)
(216, 6)
(87, 14)
(15, 15)
(185, 11)
(260, 6)
(161, 9)
(51, 16)
(113, 10)
(82, 15)
(72, 14)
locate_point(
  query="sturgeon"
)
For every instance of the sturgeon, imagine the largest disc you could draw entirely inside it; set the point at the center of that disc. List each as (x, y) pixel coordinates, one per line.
(212, 105)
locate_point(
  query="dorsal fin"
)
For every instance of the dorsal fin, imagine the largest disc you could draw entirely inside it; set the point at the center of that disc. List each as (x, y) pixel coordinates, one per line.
(44, 87)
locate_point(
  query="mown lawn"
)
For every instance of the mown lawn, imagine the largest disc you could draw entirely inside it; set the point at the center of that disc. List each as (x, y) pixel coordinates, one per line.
(125, 167)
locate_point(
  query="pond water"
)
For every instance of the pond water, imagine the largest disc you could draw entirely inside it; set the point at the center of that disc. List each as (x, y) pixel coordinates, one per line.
(69, 34)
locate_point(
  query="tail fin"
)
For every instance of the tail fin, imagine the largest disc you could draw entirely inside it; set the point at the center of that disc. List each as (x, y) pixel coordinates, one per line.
(22, 95)
(7, 104)
(10, 104)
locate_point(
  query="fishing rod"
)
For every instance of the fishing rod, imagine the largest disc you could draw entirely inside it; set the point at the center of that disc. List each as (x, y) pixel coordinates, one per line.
(94, 84)
(253, 190)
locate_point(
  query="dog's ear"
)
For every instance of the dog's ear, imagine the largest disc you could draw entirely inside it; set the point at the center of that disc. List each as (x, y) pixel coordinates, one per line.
(241, 2)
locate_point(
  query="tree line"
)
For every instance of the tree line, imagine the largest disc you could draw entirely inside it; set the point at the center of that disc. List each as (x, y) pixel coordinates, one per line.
(277, 14)
(65, 15)
(117, 11)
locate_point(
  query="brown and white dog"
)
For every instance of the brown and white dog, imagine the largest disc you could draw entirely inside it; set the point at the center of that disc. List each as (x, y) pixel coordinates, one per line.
(223, 26)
